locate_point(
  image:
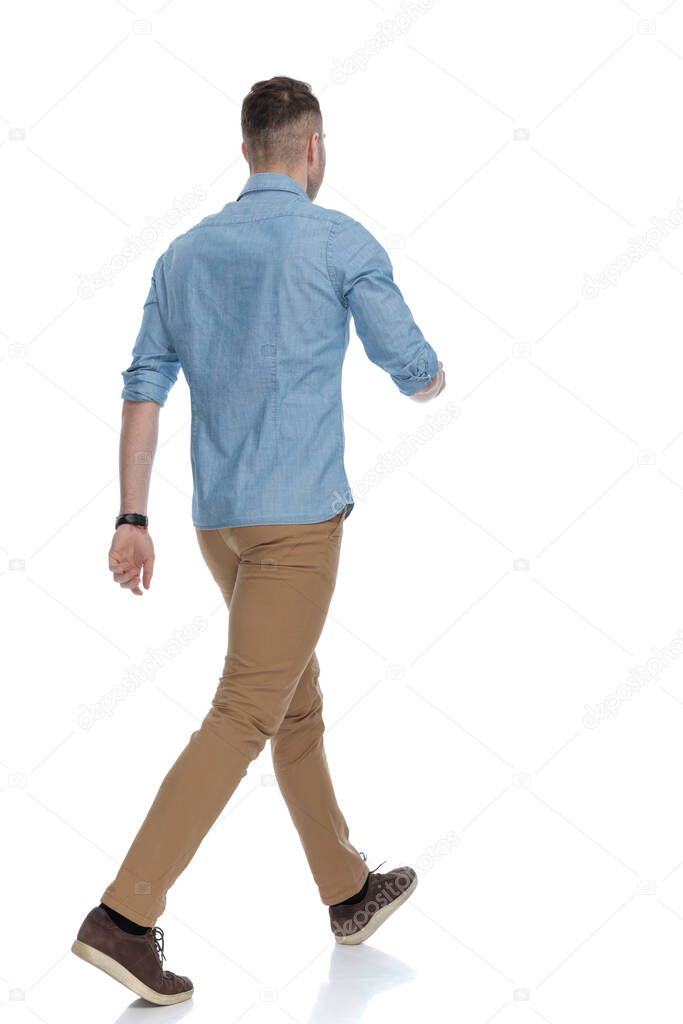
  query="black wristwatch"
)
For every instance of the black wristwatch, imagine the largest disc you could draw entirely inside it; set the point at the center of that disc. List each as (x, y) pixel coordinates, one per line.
(134, 518)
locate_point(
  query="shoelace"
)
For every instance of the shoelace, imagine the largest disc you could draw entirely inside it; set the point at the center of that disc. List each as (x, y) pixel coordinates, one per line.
(371, 870)
(158, 936)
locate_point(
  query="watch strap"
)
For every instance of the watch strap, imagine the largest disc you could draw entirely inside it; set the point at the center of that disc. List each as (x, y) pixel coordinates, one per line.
(133, 518)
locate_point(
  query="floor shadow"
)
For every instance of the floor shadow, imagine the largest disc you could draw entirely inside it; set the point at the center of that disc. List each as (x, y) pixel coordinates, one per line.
(356, 975)
(160, 1014)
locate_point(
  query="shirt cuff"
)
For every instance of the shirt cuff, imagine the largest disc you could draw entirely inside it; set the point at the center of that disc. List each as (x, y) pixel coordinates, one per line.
(145, 387)
(417, 374)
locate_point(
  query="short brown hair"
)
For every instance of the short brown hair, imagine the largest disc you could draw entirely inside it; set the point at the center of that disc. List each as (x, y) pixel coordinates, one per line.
(278, 116)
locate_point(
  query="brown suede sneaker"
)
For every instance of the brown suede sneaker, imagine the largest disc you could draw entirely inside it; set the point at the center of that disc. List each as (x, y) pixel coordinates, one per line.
(134, 960)
(355, 922)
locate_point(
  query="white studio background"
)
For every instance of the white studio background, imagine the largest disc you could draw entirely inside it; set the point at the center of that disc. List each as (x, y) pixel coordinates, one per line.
(501, 665)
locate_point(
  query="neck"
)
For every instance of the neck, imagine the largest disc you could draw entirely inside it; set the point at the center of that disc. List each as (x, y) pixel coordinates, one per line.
(298, 174)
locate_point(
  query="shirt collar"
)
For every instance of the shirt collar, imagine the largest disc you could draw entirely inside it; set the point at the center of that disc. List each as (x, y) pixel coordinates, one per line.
(272, 181)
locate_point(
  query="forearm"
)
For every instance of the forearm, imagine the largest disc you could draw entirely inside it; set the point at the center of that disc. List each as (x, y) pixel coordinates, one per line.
(139, 434)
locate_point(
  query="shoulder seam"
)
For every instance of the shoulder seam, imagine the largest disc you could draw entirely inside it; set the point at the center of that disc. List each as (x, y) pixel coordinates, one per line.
(247, 220)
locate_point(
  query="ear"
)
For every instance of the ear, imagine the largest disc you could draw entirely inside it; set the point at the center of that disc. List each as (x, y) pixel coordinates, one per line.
(313, 146)
(244, 152)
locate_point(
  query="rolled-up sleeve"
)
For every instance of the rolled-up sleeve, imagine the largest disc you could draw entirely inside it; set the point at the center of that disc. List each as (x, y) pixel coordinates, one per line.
(362, 275)
(155, 365)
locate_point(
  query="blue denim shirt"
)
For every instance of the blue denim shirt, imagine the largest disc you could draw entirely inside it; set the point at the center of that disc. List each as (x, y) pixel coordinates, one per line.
(254, 303)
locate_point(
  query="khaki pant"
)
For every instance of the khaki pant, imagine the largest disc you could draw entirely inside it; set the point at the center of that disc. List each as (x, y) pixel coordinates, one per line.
(277, 582)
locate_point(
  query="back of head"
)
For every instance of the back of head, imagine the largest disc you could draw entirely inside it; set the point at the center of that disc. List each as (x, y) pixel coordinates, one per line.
(279, 116)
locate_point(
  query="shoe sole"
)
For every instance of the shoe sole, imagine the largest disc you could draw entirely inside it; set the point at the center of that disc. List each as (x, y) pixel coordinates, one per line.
(118, 972)
(377, 919)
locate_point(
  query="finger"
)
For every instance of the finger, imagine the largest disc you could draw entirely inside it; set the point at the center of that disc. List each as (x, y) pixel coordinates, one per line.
(122, 565)
(131, 583)
(123, 577)
(147, 570)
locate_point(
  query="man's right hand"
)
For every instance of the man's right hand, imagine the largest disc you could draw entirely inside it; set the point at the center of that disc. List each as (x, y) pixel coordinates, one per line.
(434, 388)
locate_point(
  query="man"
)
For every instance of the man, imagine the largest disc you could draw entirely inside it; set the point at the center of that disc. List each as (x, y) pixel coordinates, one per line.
(253, 304)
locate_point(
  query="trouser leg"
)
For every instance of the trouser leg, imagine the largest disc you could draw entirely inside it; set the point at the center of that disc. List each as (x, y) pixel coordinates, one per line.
(303, 776)
(283, 581)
